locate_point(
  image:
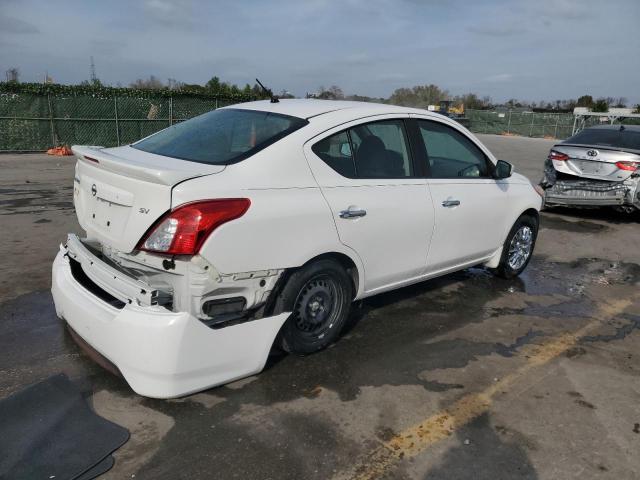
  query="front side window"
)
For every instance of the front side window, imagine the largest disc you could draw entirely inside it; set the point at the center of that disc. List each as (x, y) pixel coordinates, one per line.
(451, 154)
(221, 137)
(373, 150)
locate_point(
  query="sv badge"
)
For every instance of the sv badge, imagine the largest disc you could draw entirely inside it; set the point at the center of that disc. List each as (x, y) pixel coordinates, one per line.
(144, 210)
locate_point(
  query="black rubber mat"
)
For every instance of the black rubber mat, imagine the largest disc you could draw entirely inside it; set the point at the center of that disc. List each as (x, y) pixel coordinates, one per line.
(49, 431)
(97, 470)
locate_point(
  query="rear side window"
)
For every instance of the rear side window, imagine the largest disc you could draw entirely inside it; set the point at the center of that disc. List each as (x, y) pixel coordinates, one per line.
(605, 137)
(336, 152)
(373, 150)
(221, 137)
(451, 154)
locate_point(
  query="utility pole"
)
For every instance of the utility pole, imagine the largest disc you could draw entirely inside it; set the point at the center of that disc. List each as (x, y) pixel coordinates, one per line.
(94, 77)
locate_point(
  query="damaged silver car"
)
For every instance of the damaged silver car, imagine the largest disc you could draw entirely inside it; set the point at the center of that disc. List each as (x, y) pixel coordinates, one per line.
(598, 166)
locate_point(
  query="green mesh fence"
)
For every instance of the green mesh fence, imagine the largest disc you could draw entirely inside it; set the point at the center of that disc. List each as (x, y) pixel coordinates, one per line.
(526, 124)
(530, 124)
(36, 122)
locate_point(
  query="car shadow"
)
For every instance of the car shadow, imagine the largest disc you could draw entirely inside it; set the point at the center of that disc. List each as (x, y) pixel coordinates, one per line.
(360, 309)
(491, 452)
(604, 214)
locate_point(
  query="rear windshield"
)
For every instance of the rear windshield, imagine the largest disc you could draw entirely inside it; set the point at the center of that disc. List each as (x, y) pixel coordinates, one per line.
(604, 137)
(221, 137)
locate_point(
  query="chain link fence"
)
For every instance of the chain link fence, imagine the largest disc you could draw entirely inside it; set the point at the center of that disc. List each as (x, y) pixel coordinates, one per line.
(526, 124)
(36, 122)
(532, 124)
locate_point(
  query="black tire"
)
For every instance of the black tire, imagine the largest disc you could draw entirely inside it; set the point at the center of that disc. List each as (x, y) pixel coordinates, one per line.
(318, 296)
(507, 269)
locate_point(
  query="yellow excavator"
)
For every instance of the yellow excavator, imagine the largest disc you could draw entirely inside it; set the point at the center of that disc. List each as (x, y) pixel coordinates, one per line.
(455, 112)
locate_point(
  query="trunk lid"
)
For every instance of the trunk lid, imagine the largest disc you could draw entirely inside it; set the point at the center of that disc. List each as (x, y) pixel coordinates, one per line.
(596, 162)
(120, 192)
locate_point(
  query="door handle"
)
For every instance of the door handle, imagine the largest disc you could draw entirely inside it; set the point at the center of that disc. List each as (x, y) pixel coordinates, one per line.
(352, 213)
(448, 203)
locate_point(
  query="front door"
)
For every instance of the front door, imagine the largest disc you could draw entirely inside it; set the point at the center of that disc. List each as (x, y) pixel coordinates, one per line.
(469, 204)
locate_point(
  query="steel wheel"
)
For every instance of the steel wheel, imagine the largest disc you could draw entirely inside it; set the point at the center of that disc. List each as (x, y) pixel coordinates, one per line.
(318, 296)
(520, 247)
(317, 306)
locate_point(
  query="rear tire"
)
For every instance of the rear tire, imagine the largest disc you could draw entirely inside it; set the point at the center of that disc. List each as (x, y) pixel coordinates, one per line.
(518, 247)
(319, 297)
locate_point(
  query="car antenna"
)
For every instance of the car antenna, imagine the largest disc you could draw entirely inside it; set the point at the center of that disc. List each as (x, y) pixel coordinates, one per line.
(268, 91)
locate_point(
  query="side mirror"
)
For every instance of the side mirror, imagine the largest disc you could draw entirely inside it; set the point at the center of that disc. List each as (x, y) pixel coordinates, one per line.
(503, 170)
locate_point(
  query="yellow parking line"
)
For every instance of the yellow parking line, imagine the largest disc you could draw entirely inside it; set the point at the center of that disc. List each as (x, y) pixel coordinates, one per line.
(423, 435)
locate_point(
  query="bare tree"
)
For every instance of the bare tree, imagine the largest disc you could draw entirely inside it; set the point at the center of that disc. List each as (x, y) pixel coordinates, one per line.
(620, 102)
(334, 92)
(472, 101)
(173, 84)
(420, 96)
(283, 94)
(151, 83)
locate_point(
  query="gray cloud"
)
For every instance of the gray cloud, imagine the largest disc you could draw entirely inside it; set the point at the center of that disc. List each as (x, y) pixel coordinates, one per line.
(496, 30)
(16, 25)
(172, 13)
(503, 48)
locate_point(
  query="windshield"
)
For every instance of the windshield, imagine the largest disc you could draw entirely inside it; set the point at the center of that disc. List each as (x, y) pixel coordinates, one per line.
(604, 137)
(221, 137)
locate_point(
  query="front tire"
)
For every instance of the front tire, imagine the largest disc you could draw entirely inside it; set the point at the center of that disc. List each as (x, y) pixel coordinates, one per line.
(318, 296)
(518, 247)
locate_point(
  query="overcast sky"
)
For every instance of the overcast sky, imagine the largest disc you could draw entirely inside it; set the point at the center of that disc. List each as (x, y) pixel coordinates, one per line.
(532, 50)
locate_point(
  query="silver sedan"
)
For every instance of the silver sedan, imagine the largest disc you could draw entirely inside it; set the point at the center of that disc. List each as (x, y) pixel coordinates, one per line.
(599, 166)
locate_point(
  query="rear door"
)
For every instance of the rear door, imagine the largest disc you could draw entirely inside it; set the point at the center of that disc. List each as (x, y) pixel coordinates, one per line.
(470, 205)
(381, 207)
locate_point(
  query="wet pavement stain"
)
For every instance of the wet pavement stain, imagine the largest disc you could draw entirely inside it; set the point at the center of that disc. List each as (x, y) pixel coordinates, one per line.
(584, 403)
(574, 226)
(575, 352)
(511, 350)
(34, 199)
(434, 386)
(607, 215)
(620, 332)
(484, 447)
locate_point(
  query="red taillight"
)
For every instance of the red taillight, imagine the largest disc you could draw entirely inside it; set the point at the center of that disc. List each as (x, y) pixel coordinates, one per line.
(628, 166)
(183, 230)
(559, 156)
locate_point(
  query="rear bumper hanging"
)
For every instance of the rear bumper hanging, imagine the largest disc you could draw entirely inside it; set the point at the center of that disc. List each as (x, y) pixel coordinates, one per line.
(586, 192)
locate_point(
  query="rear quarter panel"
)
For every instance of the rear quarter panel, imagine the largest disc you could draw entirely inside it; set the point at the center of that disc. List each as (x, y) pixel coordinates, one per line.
(288, 222)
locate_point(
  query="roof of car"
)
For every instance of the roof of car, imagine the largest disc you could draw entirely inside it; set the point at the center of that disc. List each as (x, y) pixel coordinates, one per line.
(308, 107)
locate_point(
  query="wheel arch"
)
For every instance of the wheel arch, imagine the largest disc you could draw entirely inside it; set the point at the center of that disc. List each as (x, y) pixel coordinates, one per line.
(353, 269)
(495, 258)
(347, 263)
(531, 212)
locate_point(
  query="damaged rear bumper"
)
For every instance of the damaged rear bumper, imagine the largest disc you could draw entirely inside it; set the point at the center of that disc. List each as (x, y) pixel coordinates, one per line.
(583, 192)
(587, 192)
(160, 353)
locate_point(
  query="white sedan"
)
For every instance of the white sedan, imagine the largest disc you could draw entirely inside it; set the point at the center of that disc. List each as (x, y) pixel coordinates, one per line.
(260, 223)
